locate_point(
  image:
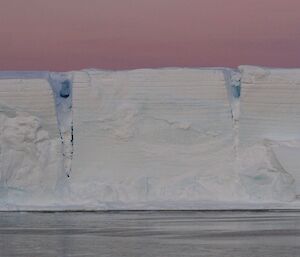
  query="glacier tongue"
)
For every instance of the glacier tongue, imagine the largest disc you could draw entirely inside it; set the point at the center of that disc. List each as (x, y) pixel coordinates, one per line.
(150, 138)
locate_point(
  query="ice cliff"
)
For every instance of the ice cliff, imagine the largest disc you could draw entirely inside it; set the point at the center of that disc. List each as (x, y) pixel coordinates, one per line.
(169, 138)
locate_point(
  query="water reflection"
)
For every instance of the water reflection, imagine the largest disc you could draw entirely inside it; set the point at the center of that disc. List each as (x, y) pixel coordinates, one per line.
(151, 234)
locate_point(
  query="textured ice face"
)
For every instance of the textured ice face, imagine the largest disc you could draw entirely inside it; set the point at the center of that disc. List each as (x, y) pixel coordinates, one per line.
(263, 176)
(149, 138)
(29, 159)
(146, 134)
(31, 165)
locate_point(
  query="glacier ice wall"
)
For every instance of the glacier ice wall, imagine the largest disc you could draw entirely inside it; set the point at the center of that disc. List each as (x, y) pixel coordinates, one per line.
(30, 149)
(270, 119)
(152, 135)
(167, 138)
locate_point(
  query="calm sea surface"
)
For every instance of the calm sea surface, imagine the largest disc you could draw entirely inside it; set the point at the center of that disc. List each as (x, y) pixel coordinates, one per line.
(151, 234)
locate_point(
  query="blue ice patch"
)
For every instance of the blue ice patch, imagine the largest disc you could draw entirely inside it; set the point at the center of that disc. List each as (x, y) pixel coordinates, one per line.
(65, 89)
(236, 91)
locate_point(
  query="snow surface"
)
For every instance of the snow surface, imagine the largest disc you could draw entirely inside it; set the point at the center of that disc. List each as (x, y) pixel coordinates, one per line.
(169, 138)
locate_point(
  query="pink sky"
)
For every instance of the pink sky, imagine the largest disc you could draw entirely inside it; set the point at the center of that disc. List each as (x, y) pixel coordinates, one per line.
(123, 34)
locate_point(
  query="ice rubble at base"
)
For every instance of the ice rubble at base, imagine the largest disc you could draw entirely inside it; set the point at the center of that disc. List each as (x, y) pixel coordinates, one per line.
(168, 138)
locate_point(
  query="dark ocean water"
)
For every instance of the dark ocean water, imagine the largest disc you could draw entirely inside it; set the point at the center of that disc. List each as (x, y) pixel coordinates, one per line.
(150, 234)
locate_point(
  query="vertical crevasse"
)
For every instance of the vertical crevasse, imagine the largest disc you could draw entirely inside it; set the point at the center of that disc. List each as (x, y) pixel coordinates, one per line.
(233, 79)
(61, 84)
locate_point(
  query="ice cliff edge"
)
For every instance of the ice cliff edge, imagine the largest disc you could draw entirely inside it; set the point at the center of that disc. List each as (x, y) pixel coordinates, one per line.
(172, 138)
